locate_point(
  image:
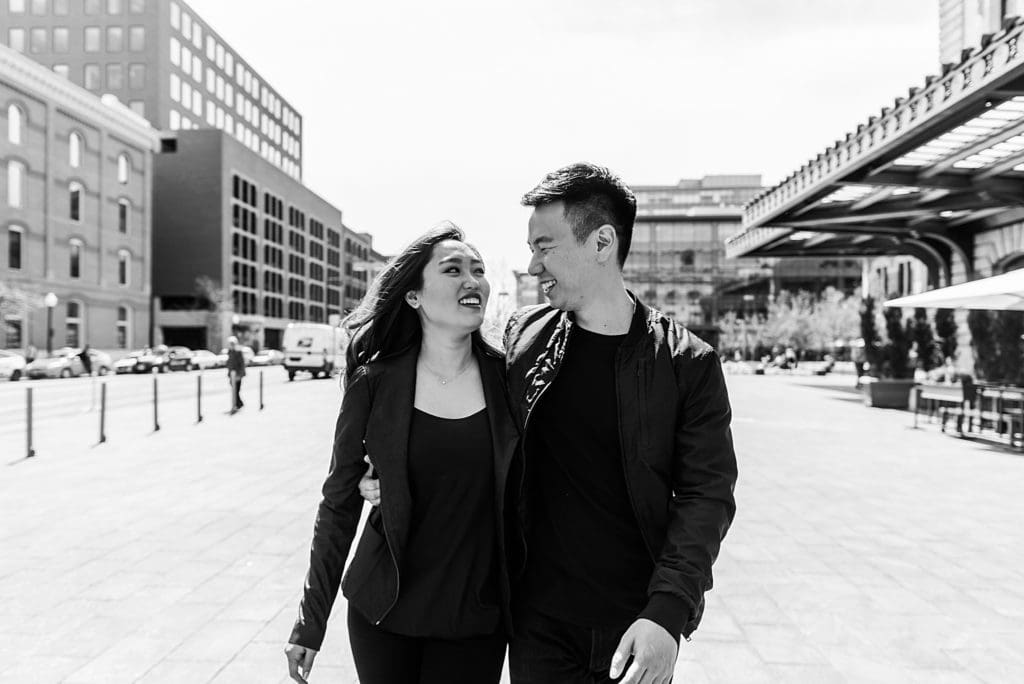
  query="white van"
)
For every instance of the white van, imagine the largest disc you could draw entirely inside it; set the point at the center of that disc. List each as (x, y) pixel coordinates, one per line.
(315, 348)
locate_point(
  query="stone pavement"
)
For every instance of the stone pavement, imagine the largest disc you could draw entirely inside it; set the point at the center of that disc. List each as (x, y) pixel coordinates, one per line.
(863, 550)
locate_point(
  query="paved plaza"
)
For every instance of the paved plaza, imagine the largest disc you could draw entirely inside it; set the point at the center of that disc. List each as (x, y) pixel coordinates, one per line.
(862, 551)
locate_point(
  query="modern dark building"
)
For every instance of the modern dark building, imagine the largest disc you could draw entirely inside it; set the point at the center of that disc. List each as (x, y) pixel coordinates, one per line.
(75, 212)
(163, 61)
(244, 247)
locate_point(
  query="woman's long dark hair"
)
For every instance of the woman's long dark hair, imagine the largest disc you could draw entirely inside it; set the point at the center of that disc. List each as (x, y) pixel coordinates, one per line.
(384, 325)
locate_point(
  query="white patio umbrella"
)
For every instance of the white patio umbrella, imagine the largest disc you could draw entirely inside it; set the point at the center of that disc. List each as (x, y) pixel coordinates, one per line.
(999, 293)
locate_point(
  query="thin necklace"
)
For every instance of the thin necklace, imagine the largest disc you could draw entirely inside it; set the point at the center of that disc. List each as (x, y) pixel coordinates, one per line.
(442, 379)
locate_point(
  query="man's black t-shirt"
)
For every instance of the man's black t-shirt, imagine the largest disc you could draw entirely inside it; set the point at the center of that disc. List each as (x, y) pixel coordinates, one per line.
(586, 563)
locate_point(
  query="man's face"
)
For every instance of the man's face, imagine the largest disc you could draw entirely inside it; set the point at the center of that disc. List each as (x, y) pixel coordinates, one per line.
(563, 267)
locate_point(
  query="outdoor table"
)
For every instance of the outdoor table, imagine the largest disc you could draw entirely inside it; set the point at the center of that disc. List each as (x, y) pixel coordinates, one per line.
(1003, 406)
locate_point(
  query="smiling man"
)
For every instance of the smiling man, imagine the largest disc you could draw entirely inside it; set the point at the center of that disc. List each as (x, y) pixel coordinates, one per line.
(629, 462)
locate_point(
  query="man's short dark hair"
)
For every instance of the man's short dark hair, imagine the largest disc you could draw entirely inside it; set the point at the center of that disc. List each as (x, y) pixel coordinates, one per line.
(593, 196)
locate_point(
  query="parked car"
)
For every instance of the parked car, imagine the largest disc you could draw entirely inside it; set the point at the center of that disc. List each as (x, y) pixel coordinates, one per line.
(268, 357)
(204, 359)
(12, 365)
(126, 364)
(65, 363)
(180, 358)
(153, 359)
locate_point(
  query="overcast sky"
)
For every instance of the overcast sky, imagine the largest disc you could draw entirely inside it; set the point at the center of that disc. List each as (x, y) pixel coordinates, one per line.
(419, 111)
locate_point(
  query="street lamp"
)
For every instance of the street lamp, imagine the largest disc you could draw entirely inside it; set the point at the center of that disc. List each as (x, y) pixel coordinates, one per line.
(50, 300)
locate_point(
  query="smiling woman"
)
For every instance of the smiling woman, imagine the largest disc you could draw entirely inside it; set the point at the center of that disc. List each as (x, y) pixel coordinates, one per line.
(425, 406)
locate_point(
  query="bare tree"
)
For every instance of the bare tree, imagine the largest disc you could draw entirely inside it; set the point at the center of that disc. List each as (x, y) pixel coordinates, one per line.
(212, 297)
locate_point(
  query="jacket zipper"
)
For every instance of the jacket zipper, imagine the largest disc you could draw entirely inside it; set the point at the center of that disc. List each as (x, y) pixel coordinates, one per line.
(387, 540)
(622, 449)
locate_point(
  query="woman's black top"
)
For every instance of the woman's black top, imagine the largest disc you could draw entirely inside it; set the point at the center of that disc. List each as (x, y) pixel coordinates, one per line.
(449, 586)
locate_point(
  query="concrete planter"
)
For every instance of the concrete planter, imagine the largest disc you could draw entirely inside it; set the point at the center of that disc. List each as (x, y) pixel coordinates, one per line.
(887, 393)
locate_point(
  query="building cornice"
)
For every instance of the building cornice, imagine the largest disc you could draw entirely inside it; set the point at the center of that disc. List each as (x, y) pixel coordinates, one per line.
(107, 113)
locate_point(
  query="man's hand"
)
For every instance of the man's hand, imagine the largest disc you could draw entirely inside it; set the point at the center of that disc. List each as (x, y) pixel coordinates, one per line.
(369, 488)
(654, 654)
(299, 658)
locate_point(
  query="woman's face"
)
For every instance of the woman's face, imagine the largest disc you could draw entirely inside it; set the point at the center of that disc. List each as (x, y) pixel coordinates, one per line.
(455, 289)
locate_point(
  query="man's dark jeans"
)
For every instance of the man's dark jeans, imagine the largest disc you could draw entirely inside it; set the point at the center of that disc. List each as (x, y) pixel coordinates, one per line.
(545, 650)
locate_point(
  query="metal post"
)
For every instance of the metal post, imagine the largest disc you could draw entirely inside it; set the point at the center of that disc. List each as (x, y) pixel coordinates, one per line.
(49, 331)
(199, 397)
(30, 452)
(261, 390)
(103, 412)
(156, 421)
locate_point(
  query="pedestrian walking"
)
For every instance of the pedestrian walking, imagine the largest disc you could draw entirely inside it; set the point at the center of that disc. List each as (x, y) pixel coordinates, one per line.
(628, 453)
(428, 589)
(85, 356)
(236, 371)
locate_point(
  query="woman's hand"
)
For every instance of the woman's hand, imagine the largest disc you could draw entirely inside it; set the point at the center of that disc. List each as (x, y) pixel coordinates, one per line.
(369, 487)
(299, 658)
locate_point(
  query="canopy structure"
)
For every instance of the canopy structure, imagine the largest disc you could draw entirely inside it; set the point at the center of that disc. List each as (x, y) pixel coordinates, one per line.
(922, 177)
(999, 293)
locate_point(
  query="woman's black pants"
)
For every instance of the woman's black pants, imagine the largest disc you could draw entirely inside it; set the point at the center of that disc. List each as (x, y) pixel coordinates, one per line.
(383, 657)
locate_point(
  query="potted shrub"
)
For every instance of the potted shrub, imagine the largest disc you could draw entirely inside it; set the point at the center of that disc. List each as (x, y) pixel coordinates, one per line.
(891, 372)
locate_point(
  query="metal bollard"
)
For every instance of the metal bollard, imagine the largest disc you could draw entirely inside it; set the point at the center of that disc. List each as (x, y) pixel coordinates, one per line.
(156, 421)
(261, 390)
(30, 452)
(103, 412)
(199, 398)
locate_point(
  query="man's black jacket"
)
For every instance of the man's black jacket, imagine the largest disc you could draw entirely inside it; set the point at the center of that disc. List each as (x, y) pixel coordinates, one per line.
(675, 439)
(375, 416)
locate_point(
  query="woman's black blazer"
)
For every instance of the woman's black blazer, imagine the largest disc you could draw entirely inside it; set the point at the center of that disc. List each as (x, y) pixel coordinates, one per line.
(375, 415)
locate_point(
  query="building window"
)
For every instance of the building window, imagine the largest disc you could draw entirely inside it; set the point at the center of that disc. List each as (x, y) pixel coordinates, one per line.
(137, 38)
(14, 236)
(15, 184)
(60, 8)
(122, 327)
(175, 16)
(136, 6)
(75, 201)
(124, 263)
(136, 76)
(13, 324)
(39, 8)
(175, 88)
(175, 120)
(186, 25)
(92, 6)
(16, 6)
(38, 40)
(115, 77)
(75, 258)
(122, 169)
(60, 39)
(16, 39)
(92, 38)
(62, 70)
(15, 119)
(138, 106)
(91, 76)
(73, 323)
(115, 39)
(74, 150)
(175, 52)
(123, 208)
(113, 6)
